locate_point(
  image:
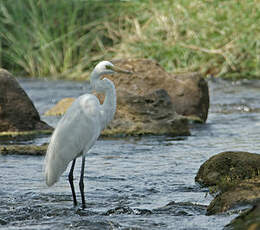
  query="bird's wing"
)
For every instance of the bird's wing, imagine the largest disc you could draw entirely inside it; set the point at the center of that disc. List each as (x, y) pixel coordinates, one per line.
(75, 134)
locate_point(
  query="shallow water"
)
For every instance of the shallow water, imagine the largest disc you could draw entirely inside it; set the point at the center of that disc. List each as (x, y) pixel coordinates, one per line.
(131, 183)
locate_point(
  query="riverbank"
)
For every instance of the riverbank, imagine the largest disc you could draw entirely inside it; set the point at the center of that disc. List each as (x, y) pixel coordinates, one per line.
(66, 38)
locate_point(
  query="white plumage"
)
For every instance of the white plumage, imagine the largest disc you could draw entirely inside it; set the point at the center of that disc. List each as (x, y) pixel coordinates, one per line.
(80, 127)
(75, 134)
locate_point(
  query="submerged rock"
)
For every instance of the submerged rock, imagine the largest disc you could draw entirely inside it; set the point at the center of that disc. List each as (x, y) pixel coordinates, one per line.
(181, 209)
(121, 210)
(235, 175)
(23, 135)
(23, 149)
(17, 112)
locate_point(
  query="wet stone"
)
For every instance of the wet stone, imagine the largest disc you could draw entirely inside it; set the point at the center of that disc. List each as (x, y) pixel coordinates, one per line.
(23, 149)
(233, 177)
(181, 209)
(249, 219)
(127, 210)
(3, 222)
(85, 224)
(227, 167)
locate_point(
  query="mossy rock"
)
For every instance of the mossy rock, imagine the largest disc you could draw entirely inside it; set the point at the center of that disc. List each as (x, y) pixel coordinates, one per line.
(246, 192)
(249, 219)
(228, 168)
(23, 135)
(235, 175)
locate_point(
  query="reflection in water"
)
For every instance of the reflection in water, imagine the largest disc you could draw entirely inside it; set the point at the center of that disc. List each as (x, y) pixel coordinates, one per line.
(144, 182)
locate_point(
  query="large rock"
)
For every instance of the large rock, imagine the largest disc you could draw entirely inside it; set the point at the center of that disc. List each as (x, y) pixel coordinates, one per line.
(17, 112)
(236, 178)
(150, 114)
(188, 92)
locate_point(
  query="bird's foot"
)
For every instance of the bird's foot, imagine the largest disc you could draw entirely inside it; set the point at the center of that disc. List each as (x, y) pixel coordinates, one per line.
(83, 206)
(76, 208)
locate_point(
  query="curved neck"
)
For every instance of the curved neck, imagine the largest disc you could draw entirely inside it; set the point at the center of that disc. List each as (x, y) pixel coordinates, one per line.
(107, 87)
(109, 104)
(94, 76)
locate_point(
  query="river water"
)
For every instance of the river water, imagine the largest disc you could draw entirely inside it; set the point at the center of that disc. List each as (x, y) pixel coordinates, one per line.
(131, 183)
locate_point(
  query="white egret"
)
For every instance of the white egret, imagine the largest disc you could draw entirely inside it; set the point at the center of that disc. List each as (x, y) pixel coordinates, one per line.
(80, 127)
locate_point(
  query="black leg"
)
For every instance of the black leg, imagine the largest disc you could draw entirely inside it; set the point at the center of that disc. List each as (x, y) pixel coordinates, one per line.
(81, 183)
(71, 182)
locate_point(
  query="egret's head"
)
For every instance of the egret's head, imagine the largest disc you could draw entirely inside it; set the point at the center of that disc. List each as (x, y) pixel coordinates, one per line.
(106, 67)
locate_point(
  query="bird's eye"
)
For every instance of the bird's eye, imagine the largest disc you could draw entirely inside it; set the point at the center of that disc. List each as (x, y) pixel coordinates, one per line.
(108, 67)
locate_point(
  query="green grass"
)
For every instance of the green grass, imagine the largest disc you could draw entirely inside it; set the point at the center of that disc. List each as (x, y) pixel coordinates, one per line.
(61, 38)
(51, 38)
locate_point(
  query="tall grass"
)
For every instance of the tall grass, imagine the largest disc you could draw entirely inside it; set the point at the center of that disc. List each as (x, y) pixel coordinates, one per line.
(64, 38)
(213, 37)
(51, 38)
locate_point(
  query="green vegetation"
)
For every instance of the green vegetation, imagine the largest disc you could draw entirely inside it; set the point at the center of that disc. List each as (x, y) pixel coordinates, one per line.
(65, 38)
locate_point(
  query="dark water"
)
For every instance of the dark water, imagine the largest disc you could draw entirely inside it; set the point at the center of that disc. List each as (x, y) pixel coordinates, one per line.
(132, 183)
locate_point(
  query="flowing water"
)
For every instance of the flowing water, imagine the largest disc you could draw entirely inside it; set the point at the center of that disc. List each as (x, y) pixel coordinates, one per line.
(131, 183)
